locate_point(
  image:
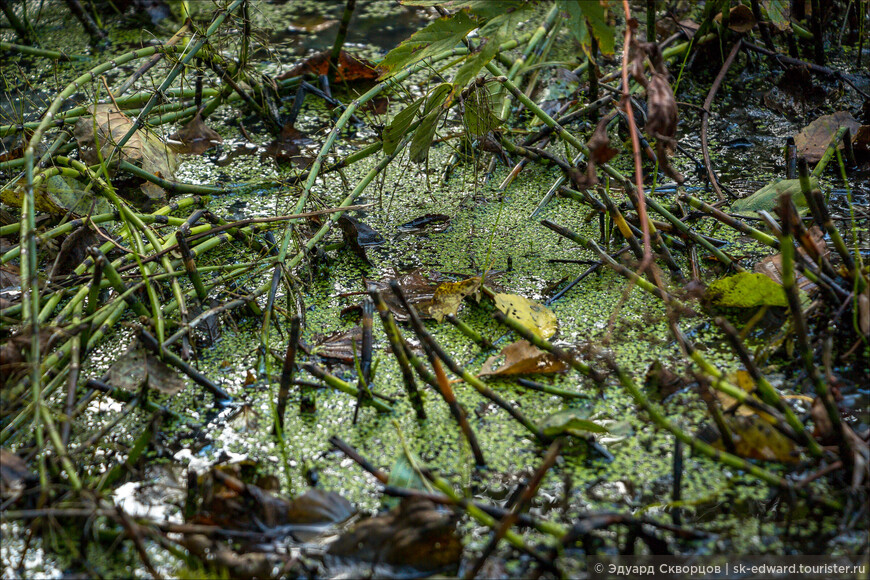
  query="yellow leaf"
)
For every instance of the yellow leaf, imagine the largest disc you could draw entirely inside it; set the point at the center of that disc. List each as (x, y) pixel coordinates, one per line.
(448, 297)
(533, 315)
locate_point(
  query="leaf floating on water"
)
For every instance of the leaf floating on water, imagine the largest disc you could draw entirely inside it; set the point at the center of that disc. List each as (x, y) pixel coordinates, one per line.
(350, 68)
(570, 422)
(746, 290)
(143, 149)
(768, 196)
(196, 137)
(755, 438)
(521, 358)
(136, 366)
(533, 315)
(813, 140)
(448, 297)
(417, 534)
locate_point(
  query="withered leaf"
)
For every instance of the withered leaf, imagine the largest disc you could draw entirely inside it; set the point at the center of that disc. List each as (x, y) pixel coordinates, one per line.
(72, 251)
(143, 149)
(755, 438)
(448, 297)
(813, 140)
(740, 18)
(520, 358)
(350, 68)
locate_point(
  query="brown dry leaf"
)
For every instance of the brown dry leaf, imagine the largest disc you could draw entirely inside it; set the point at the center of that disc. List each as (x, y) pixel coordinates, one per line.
(755, 438)
(419, 289)
(449, 295)
(340, 345)
(196, 137)
(350, 67)
(142, 149)
(771, 266)
(814, 139)
(72, 251)
(417, 533)
(521, 358)
(600, 152)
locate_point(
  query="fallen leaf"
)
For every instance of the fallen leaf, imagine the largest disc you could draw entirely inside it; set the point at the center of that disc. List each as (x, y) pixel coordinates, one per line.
(533, 315)
(744, 380)
(755, 438)
(522, 357)
(771, 266)
(72, 251)
(417, 534)
(449, 295)
(137, 366)
(813, 140)
(745, 290)
(768, 196)
(143, 149)
(195, 137)
(350, 68)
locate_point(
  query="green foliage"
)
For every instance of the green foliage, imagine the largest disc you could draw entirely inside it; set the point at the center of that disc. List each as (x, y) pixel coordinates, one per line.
(442, 34)
(586, 19)
(478, 115)
(399, 126)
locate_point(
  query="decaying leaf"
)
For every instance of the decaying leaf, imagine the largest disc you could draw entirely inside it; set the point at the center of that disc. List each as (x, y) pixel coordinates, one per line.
(570, 422)
(744, 380)
(745, 290)
(448, 297)
(196, 137)
(522, 357)
(755, 438)
(814, 139)
(417, 534)
(533, 315)
(771, 266)
(350, 68)
(143, 149)
(138, 366)
(768, 196)
(340, 345)
(419, 289)
(72, 251)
